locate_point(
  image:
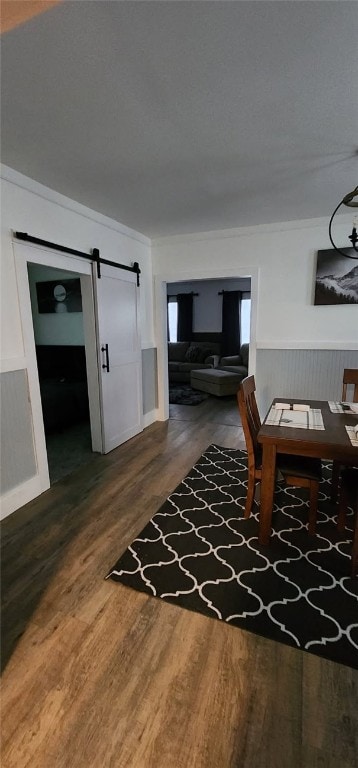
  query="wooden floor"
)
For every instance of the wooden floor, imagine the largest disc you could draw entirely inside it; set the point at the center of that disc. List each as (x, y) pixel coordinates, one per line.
(99, 676)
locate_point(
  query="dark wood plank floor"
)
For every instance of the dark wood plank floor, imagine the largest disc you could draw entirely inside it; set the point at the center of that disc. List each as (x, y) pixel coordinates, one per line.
(98, 675)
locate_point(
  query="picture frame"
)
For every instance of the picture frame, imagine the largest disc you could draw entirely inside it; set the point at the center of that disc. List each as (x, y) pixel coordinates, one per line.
(336, 278)
(60, 296)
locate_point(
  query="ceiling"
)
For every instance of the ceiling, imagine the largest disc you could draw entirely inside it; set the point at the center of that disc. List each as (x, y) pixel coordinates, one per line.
(178, 116)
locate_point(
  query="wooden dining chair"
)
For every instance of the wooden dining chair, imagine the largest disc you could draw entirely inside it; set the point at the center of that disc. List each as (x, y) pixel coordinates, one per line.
(350, 377)
(349, 496)
(298, 471)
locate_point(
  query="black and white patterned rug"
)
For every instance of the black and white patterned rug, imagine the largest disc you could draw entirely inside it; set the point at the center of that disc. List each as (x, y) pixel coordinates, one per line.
(199, 552)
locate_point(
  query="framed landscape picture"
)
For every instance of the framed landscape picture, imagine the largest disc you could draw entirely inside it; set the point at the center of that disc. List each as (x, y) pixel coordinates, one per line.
(336, 278)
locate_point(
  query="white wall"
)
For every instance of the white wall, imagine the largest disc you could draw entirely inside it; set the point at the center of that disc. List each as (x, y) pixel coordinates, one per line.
(281, 259)
(30, 207)
(27, 206)
(285, 257)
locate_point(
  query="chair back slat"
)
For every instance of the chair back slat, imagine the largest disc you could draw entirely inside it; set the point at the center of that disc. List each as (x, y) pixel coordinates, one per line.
(350, 376)
(250, 417)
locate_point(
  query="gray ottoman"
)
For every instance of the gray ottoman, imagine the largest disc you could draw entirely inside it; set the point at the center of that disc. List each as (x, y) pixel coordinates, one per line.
(215, 381)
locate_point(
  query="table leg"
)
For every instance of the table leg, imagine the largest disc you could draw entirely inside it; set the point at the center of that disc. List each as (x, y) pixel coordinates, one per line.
(268, 480)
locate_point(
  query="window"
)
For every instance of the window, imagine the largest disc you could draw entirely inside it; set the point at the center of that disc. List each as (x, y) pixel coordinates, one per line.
(172, 319)
(245, 318)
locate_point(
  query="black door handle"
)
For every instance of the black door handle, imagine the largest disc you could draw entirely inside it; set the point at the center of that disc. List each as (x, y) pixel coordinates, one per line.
(105, 365)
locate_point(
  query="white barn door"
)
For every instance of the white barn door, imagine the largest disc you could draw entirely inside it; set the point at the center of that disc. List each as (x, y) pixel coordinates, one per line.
(119, 355)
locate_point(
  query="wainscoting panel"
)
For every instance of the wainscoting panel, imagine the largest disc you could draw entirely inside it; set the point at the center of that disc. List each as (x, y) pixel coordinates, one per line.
(315, 374)
(18, 461)
(149, 377)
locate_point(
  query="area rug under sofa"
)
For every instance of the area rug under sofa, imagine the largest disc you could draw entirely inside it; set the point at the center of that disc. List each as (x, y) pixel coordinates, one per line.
(184, 394)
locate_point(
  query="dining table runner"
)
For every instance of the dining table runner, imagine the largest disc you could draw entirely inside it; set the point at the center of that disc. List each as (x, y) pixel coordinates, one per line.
(337, 407)
(311, 419)
(353, 435)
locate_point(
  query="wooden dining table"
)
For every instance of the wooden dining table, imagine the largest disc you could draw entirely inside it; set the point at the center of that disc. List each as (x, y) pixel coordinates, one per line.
(331, 443)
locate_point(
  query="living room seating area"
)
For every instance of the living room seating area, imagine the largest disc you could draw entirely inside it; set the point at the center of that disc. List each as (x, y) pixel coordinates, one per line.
(185, 356)
(201, 364)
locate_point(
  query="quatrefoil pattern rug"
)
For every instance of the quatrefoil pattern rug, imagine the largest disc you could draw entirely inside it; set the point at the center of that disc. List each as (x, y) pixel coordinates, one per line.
(199, 552)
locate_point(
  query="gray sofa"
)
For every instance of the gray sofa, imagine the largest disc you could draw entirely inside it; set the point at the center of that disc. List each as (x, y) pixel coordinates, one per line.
(225, 378)
(236, 363)
(185, 356)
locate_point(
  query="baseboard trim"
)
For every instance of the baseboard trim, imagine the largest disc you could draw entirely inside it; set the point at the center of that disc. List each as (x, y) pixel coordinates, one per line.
(21, 495)
(150, 417)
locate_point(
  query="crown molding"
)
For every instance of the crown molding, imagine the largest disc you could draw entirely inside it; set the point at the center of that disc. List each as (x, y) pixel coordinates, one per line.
(259, 229)
(30, 185)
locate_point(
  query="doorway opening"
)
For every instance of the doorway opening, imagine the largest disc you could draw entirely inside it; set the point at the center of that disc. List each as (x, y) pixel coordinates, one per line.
(191, 399)
(56, 305)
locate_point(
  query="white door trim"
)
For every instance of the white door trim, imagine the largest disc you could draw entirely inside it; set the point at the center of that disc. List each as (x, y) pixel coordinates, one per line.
(160, 300)
(24, 254)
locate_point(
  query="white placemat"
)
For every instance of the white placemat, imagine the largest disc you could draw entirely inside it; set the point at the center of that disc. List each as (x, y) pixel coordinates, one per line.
(311, 419)
(336, 407)
(353, 436)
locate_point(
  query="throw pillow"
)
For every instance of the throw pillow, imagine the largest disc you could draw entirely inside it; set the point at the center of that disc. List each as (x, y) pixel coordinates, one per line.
(193, 354)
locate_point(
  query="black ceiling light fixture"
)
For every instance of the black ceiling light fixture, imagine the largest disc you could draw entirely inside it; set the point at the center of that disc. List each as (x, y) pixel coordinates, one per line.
(352, 203)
